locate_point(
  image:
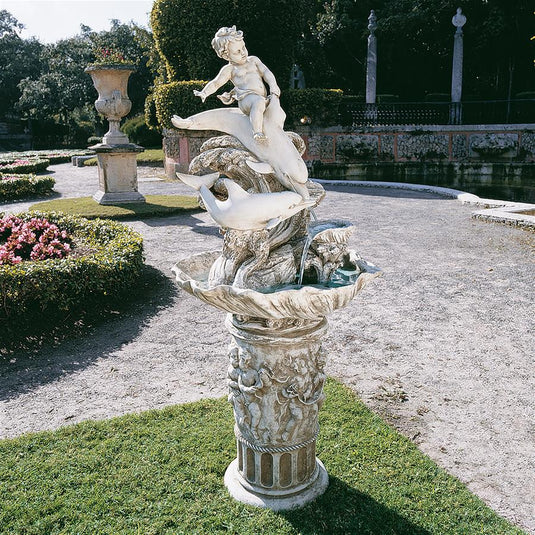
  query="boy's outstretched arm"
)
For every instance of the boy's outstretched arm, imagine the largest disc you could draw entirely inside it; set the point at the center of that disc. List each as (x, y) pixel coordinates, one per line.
(269, 78)
(211, 87)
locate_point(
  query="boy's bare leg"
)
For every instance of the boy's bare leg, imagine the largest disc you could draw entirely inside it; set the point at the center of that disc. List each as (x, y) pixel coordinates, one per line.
(256, 116)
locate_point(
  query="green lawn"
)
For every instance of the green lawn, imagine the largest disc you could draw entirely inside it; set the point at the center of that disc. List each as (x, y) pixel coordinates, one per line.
(156, 205)
(161, 472)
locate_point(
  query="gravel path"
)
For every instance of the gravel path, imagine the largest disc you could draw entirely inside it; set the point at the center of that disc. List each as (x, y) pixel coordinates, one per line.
(441, 346)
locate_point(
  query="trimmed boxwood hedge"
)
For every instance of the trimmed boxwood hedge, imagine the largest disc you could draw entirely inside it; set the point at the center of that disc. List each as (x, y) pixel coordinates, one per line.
(177, 98)
(54, 156)
(24, 186)
(109, 260)
(321, 106)
(18, 165)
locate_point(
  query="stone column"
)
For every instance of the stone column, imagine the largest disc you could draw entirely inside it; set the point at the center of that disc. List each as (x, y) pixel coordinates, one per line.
(276, 379)
(458, 20)
(371, 61)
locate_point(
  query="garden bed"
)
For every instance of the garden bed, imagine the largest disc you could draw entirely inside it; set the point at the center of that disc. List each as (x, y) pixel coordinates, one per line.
(104, 259)
(54, 156)
(23, 165)
(19, 186)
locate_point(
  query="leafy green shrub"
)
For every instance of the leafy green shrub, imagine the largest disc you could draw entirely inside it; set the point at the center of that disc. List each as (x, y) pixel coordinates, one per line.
(183, 31)
(107, 258)
(321, 106)
(177, 98)
(93, 140)
(138, 132)
(150, 113)
(23, 165)
(19, 186)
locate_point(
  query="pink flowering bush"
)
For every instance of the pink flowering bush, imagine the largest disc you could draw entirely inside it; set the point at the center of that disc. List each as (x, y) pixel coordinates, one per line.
(35, 239)
(23, 165)
(106, 262)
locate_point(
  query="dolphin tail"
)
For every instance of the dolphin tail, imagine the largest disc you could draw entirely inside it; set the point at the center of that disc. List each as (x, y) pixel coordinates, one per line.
(178, 122)
(196, 181)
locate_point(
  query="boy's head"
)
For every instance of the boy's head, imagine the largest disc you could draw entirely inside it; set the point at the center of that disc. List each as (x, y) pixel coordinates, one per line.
(223, 38)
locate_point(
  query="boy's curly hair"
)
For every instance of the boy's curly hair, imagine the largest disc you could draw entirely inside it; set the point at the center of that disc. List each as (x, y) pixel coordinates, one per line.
(223, 37)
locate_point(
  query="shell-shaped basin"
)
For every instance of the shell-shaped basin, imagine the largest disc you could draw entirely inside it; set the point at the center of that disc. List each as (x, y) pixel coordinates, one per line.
(308, 302)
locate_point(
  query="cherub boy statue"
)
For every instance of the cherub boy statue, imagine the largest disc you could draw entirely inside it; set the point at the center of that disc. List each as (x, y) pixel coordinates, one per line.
(248, 75)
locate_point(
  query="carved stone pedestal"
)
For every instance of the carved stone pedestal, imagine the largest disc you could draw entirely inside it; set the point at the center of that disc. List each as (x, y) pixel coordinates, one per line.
(117, 173)
(276, 380)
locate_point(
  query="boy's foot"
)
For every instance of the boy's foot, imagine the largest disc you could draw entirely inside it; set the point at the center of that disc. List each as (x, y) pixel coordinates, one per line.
(259, 137)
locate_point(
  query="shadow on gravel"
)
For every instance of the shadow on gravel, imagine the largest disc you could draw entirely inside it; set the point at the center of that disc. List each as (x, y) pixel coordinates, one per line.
(195, 225)
(77, 342)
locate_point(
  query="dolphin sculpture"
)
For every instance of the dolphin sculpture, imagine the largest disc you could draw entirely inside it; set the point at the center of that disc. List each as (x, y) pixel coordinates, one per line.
(246, 211)
(277, 154)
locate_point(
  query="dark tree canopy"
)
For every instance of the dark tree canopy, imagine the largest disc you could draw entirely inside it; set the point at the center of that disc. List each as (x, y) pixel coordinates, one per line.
(183, 31)
(415, 45)
(19, 59)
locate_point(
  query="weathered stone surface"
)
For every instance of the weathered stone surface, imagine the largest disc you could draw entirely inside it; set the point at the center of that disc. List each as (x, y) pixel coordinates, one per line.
(356, 147)
(527, 145)
(387, 147)
(493, 145)
(320, 147)
(423, 146)
(459, 146)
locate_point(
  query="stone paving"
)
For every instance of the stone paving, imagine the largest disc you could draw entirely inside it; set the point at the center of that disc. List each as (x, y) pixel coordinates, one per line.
(441, 346)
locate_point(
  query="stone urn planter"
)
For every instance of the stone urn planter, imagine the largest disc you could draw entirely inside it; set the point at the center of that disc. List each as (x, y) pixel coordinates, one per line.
(111, 82)
(117, 168)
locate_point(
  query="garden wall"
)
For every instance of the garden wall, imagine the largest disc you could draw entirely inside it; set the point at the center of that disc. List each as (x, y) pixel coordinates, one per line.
(394, 152)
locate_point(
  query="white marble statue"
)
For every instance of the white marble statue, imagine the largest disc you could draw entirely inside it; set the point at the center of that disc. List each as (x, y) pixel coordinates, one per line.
(257, 114)
(248, 75)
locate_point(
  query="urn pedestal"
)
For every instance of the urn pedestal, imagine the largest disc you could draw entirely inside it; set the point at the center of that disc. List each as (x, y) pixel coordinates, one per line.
(117, 166)
(275, 380)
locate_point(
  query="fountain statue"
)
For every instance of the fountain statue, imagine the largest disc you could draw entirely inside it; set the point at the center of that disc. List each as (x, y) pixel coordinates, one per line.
(280, 273)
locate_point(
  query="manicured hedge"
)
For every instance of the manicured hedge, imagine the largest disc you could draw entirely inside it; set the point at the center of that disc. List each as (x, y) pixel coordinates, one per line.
(138, 132)
(24, 185)
(23, 165)
(107, 259)
(183, 31)
(54, 156)
(321, 106)
(177, 98)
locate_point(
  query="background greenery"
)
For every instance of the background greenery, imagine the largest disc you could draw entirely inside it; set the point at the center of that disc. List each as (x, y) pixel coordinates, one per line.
(46, 85)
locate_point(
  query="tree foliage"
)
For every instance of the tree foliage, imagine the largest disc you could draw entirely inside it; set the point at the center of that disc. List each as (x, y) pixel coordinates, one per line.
(183, 31)
(19, 58)
(59, 96)
(415, 45)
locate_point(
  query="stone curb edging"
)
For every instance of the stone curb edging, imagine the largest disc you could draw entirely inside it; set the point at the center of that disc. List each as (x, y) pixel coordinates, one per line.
(510, 213)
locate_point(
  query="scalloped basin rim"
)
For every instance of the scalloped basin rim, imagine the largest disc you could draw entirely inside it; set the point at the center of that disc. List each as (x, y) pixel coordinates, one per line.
(309, 302)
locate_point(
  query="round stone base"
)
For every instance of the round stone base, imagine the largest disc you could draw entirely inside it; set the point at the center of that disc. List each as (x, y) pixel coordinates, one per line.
(280, 502)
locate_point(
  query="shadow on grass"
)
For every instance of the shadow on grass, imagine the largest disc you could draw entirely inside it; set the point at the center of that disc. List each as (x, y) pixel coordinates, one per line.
(52, 350)
(345, 510)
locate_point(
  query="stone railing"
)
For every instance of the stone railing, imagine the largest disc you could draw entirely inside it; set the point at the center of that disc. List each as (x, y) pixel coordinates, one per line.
(379, 152)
